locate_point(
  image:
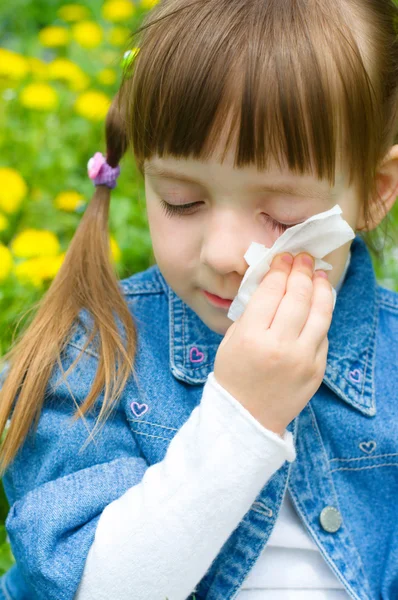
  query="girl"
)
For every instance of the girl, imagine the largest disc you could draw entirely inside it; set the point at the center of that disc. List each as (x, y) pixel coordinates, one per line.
(256, 460)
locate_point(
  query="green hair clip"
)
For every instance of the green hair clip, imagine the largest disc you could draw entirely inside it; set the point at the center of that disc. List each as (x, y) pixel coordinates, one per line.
(128, 58)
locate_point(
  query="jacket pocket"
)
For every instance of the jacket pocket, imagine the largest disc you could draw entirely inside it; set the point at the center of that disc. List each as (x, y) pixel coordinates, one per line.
(155, 431)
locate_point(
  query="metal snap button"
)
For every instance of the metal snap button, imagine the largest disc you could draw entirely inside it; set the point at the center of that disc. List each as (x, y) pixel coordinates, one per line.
(330, 519)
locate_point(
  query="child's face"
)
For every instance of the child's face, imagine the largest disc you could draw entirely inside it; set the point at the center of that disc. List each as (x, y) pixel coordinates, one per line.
(204, 248)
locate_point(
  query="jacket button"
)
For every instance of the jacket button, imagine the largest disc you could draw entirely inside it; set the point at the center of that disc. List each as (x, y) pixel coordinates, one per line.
(330, 519)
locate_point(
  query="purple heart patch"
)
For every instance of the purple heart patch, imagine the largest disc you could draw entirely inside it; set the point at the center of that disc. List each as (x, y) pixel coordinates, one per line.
(139, 409)
(356, 375)
(195, 355)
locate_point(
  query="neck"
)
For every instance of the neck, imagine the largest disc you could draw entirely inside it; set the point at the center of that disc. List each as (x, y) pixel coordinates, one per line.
(341, 280)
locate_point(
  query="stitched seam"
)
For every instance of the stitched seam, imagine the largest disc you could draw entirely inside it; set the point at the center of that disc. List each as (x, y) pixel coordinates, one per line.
(4, 589)
(261, 512)
(87, 351)
(317, 433)
(141, 292)
(151, 423)
(389, 307)
(329, 476)
(388, 297)
(160, 279)
(157, 437)
(362, 468)
(365, 457)
(375, 317)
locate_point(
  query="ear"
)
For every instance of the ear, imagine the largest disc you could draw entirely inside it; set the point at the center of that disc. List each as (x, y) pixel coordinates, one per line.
(387, 187)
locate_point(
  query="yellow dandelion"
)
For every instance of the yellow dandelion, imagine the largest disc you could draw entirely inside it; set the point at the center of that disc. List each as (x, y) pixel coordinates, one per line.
(39, 96)
(39, 269)
(73, 12)
(13, 190)
(12, 65)
(4, 222)
(53, 36)
(118, 36)
(63, 69)
(6, 262)
(69, 200)
(80, 83)
(107, 76)
(118, 10)
(35, 242)
(148, 4)
(116, 253)
(88, 34)
(92, 105)
(26, 272)
(38, 67)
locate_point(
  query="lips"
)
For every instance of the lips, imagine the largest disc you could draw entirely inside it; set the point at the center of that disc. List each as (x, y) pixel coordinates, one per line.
(218, 297)
(217, 300)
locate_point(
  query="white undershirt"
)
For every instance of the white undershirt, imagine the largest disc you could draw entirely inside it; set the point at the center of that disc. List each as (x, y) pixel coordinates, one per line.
(160, 537)
(291, 566)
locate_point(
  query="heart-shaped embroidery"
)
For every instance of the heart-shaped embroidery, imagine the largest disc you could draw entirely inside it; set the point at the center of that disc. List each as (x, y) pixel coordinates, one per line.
(195, 355)
(368, 447)
(138, 409)
(356, 375)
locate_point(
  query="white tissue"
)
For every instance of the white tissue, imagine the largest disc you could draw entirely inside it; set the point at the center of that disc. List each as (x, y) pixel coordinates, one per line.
(319, 235)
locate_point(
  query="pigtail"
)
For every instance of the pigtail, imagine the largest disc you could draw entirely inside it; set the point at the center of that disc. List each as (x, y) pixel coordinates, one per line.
(86, 280)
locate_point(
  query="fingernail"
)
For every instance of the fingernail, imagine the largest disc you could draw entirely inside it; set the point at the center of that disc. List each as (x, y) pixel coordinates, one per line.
(307, 260)
(321, 274)
(288, 258)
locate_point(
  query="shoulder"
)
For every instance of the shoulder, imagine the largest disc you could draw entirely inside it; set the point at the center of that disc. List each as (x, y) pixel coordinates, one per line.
(146, 295)
(149, 281)
(388, 299)
(387, 324)
(388, 302)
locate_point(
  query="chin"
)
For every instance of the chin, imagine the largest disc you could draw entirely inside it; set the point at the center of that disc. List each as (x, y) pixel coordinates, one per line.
(219, 326)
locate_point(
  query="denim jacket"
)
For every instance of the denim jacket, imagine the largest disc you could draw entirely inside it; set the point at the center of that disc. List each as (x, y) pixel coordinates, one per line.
(346, 440)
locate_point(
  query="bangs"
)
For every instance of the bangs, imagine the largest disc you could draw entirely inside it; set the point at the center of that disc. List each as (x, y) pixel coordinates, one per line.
(290, 86)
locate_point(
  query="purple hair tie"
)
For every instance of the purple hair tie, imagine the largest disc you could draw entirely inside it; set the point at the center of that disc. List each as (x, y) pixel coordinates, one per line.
(102, 173)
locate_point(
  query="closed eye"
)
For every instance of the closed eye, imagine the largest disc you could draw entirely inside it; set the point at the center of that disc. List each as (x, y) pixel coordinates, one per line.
(182, 209)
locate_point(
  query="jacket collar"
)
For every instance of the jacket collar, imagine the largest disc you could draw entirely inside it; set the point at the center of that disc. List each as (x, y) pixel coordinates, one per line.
(352, 336)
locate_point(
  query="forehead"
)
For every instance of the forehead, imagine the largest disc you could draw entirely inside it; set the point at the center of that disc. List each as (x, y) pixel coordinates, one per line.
(213, 172)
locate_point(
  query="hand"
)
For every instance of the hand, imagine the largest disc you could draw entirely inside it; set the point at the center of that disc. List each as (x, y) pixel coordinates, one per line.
(273, 358)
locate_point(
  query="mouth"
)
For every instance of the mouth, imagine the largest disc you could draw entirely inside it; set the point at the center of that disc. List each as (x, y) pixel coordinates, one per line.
(217, 300)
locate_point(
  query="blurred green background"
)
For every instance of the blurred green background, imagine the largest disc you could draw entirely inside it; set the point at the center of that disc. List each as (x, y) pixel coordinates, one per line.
(60, 65)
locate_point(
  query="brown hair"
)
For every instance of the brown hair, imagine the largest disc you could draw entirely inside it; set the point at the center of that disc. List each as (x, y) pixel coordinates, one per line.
(298, 80)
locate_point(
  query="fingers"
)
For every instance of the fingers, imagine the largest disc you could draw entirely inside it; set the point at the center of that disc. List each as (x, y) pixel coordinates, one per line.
(266, 298)
(295, 306)
(320, 317)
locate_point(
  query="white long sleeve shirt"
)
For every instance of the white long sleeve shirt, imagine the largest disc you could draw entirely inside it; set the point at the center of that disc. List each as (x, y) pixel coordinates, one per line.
(143, 538)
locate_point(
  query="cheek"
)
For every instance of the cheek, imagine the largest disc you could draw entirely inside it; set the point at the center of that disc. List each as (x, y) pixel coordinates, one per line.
(172, 240)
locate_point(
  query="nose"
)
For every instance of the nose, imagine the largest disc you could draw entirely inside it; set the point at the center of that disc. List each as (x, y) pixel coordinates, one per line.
(226, 240)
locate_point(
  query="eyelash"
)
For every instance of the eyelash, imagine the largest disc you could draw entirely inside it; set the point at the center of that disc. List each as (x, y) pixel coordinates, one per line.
(172, 210)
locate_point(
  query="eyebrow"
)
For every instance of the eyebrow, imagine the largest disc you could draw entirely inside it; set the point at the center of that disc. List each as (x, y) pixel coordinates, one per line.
(289, 189)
